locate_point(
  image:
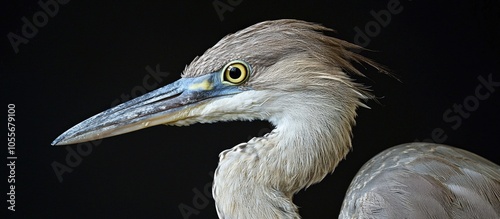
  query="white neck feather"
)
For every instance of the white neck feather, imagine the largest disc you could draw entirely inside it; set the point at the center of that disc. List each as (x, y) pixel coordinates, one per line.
(258, 179)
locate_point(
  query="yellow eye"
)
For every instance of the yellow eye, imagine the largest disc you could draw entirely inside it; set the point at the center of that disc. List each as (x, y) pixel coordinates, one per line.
(235, 73)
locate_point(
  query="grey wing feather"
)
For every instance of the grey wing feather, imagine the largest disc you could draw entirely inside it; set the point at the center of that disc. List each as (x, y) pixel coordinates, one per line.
(424, 180)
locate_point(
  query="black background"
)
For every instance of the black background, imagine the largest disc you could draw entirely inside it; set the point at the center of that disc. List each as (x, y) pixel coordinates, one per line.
(89, 54)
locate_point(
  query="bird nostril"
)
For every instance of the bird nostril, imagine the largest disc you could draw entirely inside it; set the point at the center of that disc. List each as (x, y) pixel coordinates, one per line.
(169, 97)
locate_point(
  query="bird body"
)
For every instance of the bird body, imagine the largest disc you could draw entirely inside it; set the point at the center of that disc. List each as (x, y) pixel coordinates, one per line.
(288, 73)
(424, 180)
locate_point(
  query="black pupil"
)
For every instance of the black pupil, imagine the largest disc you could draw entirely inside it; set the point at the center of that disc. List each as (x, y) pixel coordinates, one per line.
(234, 72)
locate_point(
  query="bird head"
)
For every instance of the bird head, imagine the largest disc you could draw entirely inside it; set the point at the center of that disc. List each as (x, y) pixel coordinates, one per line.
(273, 70)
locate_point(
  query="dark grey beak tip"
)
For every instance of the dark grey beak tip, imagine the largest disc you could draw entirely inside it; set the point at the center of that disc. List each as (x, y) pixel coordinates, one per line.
(57, 141)
(63, 139)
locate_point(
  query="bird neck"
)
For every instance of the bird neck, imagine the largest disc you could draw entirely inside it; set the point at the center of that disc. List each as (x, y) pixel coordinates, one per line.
(258, 179)
(310, 146)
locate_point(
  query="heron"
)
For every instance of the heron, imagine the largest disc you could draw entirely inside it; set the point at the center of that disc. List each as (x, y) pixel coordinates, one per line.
(300, 79)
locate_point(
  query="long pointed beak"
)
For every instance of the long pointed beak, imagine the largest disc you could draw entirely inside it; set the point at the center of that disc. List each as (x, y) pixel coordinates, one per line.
(166, 105)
